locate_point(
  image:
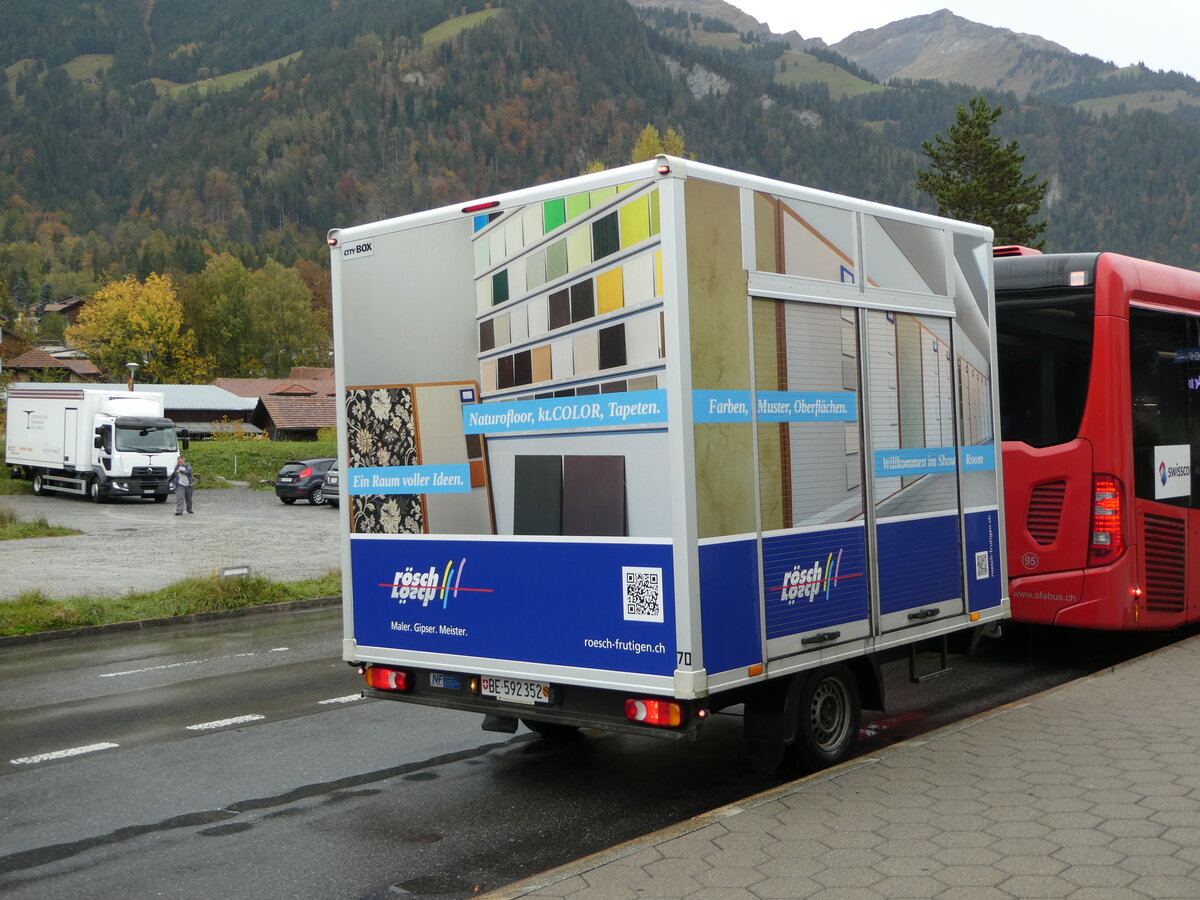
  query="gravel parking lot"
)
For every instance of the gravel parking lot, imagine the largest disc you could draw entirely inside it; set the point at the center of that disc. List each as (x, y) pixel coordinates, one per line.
(134, 545)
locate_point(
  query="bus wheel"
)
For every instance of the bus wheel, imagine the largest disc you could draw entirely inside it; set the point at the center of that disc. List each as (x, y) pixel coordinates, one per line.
(830, 712)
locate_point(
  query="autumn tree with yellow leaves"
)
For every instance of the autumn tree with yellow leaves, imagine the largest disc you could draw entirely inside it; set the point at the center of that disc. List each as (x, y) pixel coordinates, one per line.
(142, 322)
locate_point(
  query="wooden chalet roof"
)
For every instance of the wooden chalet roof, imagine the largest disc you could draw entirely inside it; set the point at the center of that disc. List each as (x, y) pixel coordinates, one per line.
(297, 413)
(40, 359)
(266, 387)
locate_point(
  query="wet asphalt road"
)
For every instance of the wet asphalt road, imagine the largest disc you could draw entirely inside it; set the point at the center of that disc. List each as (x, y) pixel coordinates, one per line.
(135, 545)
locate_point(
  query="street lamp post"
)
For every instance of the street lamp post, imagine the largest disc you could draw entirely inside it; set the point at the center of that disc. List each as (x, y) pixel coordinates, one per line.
(132, 367)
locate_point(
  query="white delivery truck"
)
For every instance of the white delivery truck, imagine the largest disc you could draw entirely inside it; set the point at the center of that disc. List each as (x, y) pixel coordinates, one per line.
(97, 443)
(624, 450)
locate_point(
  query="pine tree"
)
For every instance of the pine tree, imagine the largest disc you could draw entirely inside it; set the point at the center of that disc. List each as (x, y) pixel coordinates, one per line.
(976, 179)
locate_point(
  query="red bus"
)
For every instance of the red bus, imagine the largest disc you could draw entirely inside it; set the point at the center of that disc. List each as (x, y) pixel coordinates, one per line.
(1099, 381)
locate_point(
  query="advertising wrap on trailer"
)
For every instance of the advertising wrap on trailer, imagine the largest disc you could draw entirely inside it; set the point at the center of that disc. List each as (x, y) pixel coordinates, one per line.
(97, 443)
(624, 450)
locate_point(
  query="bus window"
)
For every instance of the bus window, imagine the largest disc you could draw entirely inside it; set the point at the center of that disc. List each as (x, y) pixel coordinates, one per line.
(1045, 355)
(1161, 387)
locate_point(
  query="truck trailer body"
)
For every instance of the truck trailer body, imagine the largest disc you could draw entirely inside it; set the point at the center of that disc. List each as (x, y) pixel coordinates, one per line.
(623, 450)
(97, 443)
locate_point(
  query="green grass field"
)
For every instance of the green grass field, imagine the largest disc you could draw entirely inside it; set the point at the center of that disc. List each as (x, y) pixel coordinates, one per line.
(439, 34)
(33, 612)
(803, 68)
(12, 528)
(218, 463)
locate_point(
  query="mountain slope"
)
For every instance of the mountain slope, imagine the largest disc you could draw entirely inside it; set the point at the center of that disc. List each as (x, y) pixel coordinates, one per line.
(390, 108)
(950, 48)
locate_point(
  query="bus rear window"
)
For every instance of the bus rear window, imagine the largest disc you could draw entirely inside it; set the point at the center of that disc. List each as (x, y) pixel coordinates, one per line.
(1045, 357)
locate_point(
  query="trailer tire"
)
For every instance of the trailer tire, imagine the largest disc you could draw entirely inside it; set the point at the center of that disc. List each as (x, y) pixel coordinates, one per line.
(829, 716)
(36, 485)
(551, 731)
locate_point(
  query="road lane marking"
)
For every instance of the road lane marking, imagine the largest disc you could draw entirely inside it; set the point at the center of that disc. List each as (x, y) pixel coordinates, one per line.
(62, 754)
(349, 698)
(190, 662)
(225, 723)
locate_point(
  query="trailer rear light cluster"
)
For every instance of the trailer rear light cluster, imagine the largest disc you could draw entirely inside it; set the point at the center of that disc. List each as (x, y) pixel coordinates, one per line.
(383, 679)
(664, 713)
(1108, 521)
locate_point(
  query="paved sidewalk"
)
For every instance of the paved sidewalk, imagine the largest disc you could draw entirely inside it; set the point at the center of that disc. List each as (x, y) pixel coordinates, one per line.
(1090, 790)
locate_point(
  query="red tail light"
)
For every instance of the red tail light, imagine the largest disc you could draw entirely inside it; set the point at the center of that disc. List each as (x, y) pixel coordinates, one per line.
(386, 679)
(305, 473)
(664, 713)
(1107, 540)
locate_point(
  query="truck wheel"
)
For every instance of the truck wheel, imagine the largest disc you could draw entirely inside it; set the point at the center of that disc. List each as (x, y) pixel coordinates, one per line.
(160, 498)
(316, 496)
(830, 712)
(37, 486)
(94, 493)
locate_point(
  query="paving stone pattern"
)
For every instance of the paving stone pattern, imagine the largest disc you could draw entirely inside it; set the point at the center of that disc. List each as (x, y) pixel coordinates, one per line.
(1090, 790)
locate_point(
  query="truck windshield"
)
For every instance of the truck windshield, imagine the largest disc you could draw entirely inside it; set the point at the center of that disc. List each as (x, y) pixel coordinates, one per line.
(1044, 339)
(152, 439)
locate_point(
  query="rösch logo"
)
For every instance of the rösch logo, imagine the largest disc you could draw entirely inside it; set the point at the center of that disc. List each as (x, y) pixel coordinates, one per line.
(427, 586)
(809, 581)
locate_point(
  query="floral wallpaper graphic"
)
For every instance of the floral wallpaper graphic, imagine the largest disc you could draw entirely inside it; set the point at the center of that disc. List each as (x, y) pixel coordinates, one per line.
(382, 432)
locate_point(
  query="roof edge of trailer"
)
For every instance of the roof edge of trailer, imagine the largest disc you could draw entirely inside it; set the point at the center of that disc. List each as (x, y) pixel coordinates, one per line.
(661, 167)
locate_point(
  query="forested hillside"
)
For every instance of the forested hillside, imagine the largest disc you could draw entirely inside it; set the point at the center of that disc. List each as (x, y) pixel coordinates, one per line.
(155, 161)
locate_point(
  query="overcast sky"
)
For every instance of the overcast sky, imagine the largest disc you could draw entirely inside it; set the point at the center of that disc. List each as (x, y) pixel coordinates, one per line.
(1164, 34)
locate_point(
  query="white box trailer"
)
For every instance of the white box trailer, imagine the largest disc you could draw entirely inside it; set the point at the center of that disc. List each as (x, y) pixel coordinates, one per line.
(626, 449)
(99, 443)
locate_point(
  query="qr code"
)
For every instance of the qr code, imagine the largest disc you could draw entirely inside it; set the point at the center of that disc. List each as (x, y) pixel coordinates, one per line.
(983, 565)
(642, 594)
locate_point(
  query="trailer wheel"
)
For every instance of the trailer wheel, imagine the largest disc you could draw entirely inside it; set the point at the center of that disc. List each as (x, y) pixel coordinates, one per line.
(830, 712)
(37, 486)
(551, 731)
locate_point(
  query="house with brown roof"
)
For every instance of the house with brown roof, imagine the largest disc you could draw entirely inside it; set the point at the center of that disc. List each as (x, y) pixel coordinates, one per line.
(69, 308)
(293, 408)
(39, 361)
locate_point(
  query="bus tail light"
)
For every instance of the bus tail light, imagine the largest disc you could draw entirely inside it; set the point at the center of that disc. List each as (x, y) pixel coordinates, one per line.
(664, 713)
(1107, 540)
(387, 679)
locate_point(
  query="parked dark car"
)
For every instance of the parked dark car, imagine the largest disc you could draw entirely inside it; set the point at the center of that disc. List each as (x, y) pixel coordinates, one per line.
(303, 479)
(333, 487)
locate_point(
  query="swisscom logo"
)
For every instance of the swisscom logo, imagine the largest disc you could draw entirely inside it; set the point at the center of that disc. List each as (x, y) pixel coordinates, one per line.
(429, 586)
(1173, 468)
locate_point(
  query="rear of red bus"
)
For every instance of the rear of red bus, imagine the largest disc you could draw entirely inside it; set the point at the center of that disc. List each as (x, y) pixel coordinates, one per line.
(1097, 378)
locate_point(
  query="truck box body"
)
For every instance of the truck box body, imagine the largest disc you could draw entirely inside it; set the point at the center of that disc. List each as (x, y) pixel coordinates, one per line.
(668, 431)
(69, 438)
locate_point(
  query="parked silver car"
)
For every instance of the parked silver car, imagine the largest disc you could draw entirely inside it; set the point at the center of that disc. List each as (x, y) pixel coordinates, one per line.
(333, 486)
